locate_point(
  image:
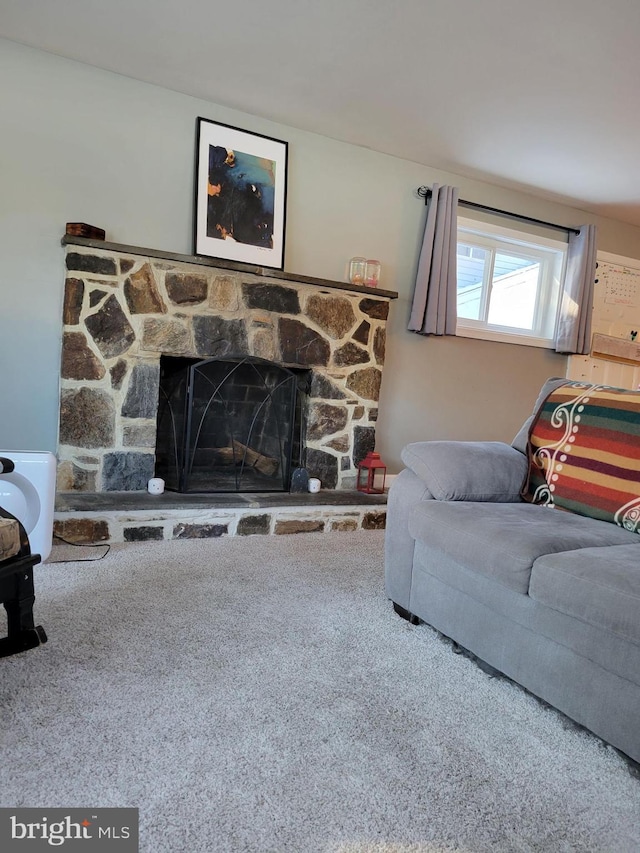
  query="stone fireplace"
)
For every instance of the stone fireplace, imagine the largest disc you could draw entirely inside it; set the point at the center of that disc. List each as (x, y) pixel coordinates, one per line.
(126, 307)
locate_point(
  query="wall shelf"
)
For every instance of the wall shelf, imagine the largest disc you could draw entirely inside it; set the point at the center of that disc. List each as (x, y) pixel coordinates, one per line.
(615, 349)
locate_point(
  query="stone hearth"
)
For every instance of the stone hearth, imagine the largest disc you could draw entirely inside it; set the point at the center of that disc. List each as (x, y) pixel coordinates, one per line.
(124, 307)
(85, 518)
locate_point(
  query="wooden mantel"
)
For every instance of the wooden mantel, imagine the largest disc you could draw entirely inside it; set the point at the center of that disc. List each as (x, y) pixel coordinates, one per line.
(203, 261)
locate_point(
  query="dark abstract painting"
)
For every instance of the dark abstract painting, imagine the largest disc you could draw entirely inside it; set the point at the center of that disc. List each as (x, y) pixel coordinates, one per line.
(240, 195)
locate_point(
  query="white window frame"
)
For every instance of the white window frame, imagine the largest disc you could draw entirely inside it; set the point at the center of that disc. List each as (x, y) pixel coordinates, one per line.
(499, 238)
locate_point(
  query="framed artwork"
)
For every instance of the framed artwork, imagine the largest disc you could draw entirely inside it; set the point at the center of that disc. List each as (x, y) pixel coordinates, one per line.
(240, 195)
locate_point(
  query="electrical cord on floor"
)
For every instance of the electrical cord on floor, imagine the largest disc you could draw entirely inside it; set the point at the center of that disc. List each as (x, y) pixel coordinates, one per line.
(81, 545)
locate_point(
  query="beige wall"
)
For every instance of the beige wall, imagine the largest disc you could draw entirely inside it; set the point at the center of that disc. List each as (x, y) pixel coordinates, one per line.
(80, 144)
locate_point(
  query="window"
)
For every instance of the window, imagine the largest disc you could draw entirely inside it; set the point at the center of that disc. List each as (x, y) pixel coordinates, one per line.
(508, 284)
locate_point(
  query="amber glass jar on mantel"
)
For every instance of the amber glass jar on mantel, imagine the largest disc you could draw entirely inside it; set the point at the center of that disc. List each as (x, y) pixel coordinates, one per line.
(357, 269)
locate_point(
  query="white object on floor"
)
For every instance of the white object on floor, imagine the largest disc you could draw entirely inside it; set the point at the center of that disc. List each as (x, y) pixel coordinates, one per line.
(29, 493)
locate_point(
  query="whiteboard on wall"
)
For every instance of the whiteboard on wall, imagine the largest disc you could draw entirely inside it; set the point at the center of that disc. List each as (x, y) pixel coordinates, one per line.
(616, 313)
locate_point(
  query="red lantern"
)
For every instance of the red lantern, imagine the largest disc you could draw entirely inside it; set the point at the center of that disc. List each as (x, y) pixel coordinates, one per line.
(371, 474)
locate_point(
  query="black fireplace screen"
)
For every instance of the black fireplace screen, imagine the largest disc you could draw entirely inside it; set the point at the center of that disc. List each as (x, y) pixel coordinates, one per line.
(226, 425)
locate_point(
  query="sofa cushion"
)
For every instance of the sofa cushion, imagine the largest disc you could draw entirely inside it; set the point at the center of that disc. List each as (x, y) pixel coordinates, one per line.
(502, 541)
(468, 470)
(600, 586)
(584, 453)
(9, 538)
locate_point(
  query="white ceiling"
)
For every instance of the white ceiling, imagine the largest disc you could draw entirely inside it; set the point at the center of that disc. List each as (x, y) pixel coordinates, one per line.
(539, 95)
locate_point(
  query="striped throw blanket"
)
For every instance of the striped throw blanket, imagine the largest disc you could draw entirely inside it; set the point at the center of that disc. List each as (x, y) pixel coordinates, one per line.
(584, 453)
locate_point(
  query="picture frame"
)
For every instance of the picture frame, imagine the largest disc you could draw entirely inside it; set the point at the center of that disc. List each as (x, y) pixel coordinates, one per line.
(240, 195)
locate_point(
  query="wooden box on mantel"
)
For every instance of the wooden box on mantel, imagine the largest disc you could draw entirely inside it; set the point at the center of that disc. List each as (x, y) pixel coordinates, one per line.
(81, 229)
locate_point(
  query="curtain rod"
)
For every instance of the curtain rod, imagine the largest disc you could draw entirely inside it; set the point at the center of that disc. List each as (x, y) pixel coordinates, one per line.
(425, 193)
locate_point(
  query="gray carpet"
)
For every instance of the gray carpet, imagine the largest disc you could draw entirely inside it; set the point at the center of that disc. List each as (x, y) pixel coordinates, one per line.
(259, 694)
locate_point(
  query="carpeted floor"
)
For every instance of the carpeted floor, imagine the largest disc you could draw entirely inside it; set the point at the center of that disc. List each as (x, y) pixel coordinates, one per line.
(259, 694)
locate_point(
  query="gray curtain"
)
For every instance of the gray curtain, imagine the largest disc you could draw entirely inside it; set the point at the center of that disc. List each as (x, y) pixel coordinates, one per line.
(434, 306)
(573, 330)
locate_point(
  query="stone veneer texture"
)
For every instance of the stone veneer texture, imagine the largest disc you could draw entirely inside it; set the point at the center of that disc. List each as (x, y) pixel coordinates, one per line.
(141, 526)
(122, 311)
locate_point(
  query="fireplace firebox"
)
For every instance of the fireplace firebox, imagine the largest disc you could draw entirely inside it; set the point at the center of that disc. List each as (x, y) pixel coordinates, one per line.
(229, 424)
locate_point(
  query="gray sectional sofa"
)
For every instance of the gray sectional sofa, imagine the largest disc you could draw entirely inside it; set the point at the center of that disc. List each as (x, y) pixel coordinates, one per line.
(548, 597)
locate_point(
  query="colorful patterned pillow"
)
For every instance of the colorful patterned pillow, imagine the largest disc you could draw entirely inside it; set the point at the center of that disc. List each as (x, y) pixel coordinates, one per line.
(584, 453)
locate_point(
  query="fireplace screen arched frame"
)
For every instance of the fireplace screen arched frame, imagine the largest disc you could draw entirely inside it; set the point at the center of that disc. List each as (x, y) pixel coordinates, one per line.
(226, 424)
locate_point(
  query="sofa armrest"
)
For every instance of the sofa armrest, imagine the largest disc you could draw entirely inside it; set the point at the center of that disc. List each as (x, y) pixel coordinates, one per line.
(406, 491)
(468, 470)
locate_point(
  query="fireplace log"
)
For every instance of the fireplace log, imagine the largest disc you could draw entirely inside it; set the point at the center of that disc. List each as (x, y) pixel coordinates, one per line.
(223, 456)
(235, 455)
(266, 465)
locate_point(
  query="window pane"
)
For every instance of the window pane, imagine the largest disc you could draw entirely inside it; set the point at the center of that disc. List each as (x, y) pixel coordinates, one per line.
(508, 283)
(514, 291)
(471, 262)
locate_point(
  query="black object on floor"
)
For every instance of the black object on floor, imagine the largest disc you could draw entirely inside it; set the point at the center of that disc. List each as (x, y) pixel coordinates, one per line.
(17, 595)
